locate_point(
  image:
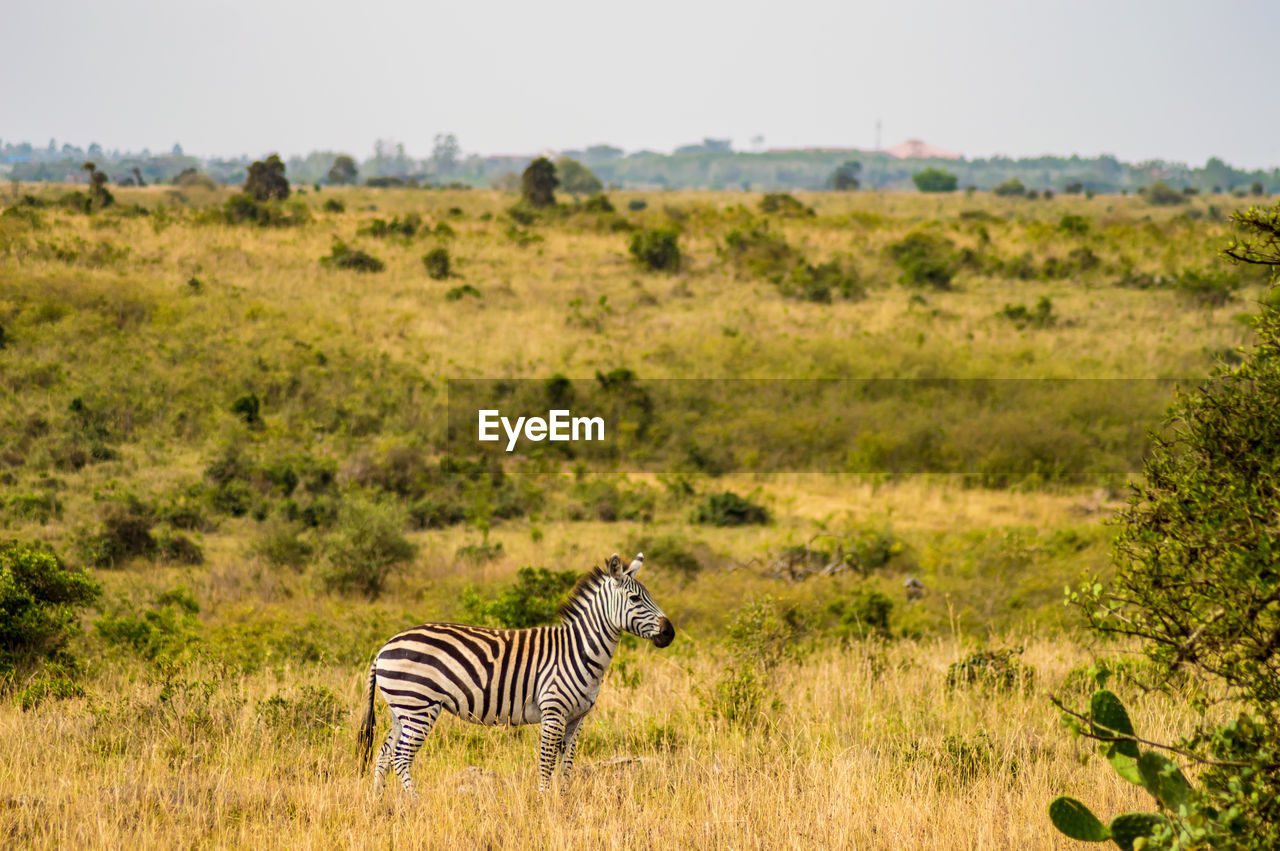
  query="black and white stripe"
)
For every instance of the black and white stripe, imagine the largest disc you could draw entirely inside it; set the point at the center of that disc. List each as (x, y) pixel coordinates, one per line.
(549, 675)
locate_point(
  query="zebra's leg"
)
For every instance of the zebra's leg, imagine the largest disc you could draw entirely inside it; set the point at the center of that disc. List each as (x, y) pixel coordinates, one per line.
(413, 729)
(553, 727)
(570, 744)
(384, 753)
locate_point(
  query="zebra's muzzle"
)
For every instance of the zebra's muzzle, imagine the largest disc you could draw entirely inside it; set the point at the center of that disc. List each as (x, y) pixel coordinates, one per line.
(666, 634)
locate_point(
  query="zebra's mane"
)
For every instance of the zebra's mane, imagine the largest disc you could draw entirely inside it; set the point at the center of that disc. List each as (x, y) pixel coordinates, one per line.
(581, 589)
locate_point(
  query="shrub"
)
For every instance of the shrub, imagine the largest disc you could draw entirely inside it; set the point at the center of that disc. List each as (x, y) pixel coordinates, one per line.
(343, 256)
(1040, 316)
(437, 263)
(406, 227)
(366, 546)
(162, 631)
(1162, 194)
(1011, 188)
(177, 548)
(818, 283)
(538, 183)
(283, 546)
(40, 601)
(313, 712)
(656, 249)
(935, 180)
(124, 532)
(576, 178)
(845, 177)
(248, 408)
(1073, 188)
(1073, 224)
(343, 170)
(864, 614)
(598, 204)
(635, 205)
(1207, 287)
(760, 636)
(729, 509)
(243, 209)
(266, 180)
(784, 204)
(531, 601)
(1000, 670)
(461, 292)
(759, 252)
(926, 260)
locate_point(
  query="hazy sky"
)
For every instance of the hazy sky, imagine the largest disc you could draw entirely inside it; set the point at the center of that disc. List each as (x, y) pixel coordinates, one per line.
(1141, 80)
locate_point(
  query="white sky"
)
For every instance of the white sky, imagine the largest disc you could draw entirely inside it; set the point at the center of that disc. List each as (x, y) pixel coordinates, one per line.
(1155, 79)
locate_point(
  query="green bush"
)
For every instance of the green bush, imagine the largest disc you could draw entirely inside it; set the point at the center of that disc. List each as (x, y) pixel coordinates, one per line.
(313, 712)
(40, 603)
(365, 546)
(1040, 316)
(656, 249)
(576, 178)
(1162, 194)
(531, 601)
(635, 205)
(461, 292)
(818, 283)
(1011, 188)
(935, 180)
(124, 532)
(161, 631)
(597, 204)
(784, 204)
(437, 263)
(406, 228)
(282, 544)
(864, 614)
(926, 260)
(538, 184)
(343, 256)
(759, 251)
(266, 180)
(729, 509)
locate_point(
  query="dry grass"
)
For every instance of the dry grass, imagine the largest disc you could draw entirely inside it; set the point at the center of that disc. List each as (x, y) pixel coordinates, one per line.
(870, 749)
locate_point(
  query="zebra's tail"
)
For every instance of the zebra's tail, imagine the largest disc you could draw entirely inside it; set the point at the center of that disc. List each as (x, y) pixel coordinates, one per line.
(366, 729)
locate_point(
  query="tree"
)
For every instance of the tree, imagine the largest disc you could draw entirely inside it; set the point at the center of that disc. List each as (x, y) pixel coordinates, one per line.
(538, 183)
(1197, 581)
(935, 180)
(845, 177)
(266, 180)
(444, 154)
(99, 197)
(343, 170)
(576, 178)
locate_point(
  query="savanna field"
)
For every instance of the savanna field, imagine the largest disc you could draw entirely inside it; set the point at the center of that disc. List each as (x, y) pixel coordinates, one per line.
(234, 419)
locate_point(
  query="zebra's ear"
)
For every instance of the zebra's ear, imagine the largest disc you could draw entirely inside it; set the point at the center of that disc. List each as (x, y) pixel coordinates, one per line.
(634, 567)
(615, 566)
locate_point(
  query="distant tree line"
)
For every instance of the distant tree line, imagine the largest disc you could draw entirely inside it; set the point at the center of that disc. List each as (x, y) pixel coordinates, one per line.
(710, 164)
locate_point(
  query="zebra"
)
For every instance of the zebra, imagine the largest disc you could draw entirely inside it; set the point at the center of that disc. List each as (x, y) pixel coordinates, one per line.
(547, 674)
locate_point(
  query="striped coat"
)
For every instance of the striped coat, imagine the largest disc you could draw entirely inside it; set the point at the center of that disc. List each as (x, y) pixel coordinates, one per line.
(549, 675)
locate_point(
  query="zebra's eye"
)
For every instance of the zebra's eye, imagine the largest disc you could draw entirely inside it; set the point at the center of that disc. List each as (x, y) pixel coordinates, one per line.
(635, 598)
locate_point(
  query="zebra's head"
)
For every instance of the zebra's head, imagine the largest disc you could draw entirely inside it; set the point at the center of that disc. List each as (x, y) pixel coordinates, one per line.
(637, 613)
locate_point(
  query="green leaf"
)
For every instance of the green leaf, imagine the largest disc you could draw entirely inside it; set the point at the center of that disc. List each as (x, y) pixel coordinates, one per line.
(1109, 718)
(1074, 819)
(1164, 780)
(1130, 826)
